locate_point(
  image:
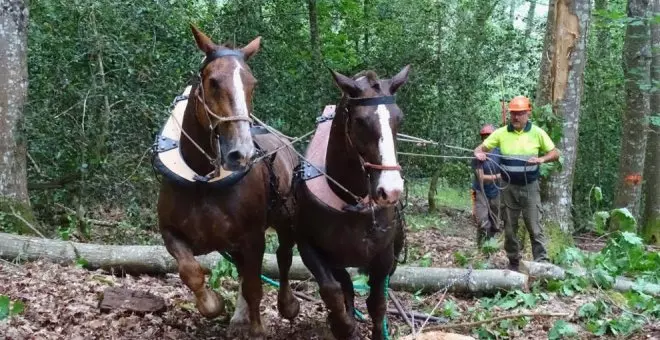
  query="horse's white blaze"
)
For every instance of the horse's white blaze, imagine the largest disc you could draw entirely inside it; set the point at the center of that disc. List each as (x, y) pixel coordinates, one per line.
(390, 180)
(241, 313)
(240, 107)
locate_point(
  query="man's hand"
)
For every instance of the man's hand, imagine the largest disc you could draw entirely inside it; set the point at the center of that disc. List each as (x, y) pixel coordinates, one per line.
(480, 156)
(536, 160)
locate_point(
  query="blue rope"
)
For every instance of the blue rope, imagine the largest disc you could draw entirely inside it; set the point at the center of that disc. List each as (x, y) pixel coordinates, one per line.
(385, 330)
(276, 284)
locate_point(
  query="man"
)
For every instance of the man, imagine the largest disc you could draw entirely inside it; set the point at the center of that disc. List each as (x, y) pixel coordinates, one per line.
(521, 143)
(486, 202)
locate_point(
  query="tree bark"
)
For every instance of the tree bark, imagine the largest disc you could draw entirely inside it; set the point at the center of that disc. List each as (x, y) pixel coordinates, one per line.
(13, 94)
(156, 260)
(561, 85)
(651, 221)
(529, 26)
(314, 41)
(636, 57)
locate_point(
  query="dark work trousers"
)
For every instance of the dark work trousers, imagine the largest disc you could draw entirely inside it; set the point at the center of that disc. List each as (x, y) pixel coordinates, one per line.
(525, 199)
(486, 220)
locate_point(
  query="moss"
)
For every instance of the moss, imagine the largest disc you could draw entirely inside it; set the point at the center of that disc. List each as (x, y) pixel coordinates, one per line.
(9, 222)
(556, 239)
(651, 231)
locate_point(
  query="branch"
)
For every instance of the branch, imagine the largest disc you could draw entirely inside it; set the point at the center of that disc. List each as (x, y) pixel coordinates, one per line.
(503, 317)
(28, 224)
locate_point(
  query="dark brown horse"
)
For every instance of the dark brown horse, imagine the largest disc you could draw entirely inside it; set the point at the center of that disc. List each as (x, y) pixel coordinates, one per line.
(354, 222)
(231, 211)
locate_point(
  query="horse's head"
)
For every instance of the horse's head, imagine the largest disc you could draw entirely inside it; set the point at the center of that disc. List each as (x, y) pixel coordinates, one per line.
(225, 99)
(372, 121)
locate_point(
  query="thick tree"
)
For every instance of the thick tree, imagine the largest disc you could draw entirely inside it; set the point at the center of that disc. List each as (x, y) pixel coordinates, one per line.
(560, 85)
(13, 92)
(636, 59)
(651, 221)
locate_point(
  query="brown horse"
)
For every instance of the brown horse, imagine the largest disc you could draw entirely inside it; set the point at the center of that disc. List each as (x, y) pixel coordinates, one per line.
(231, 211)
(358, 152)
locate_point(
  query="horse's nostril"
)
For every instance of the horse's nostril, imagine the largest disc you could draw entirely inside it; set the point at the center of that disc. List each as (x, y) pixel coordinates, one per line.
(234, 156)
(381, 193)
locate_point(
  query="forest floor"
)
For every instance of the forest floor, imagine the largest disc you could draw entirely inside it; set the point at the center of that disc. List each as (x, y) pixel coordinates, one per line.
(61, 302)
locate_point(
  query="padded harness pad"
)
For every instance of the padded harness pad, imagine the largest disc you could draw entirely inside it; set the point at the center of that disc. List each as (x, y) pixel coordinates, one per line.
(316, 152)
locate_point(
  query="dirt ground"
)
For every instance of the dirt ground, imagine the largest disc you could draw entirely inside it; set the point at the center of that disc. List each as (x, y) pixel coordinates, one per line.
(61, 302)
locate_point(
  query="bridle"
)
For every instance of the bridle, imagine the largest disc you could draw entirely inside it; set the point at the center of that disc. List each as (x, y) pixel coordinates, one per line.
(370, 101)
(200, 98)
(199, 94)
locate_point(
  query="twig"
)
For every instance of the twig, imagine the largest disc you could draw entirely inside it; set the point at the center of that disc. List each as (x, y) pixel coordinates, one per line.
(421, 328)
(13, 212)
(306, 297)
(36, 166)
(399, 307)
(417, 315)
(12, 264)
(503, 317)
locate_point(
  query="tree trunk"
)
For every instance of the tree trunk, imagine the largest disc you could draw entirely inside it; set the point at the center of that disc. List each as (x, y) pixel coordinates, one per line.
(512, 10)
(651, 221)
(314, 40)
(156, 260)
(561, 86)
(13, 94)
(636, 58)
(530, 19)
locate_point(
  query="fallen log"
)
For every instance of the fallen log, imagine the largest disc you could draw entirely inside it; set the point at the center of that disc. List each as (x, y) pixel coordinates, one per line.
(549, 271)
(156, 260)
(153, 260)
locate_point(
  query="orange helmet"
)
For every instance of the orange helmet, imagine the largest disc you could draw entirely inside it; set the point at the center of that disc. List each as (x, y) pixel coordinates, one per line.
(486, 129)
(519, 103)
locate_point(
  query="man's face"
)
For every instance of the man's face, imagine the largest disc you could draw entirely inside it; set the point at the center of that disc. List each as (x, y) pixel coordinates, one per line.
(519, 119)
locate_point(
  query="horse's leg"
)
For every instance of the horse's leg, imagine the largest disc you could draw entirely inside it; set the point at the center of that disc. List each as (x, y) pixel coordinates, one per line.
(344, 279)
(342, 325)
(287, 304)
(249, 264)
(191, 273)
(376, 305)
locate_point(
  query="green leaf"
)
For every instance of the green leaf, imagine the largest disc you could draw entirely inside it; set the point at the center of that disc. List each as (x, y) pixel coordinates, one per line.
(17, 308)
(600, 221)
(509, 304)
(632, 238)
(529, 300)
(562, 329)
(588, 310)
(597, 194)
(4, 307)
(602, 278)
(624, 219)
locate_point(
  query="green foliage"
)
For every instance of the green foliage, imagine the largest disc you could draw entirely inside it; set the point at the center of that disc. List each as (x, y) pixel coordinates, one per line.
(9, 308)
(562, 330)
(222, 269)
(450, 309)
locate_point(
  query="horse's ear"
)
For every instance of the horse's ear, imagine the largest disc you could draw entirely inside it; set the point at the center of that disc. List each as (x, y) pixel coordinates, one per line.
(251, 49)
(203, 42)
(345, 84)
(399, 79)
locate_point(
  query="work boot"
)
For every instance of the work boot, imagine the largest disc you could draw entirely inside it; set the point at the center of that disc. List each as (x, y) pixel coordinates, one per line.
(514, 265)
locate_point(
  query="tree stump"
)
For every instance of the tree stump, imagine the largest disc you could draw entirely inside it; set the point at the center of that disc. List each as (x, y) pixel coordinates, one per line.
(115, 298)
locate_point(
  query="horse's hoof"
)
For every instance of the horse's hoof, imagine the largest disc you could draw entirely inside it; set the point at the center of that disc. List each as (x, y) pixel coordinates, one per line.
(209, 304)
(241, 315)
(288, 306)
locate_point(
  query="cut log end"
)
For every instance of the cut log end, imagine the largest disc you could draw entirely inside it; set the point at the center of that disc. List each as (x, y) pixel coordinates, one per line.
(122, 299)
